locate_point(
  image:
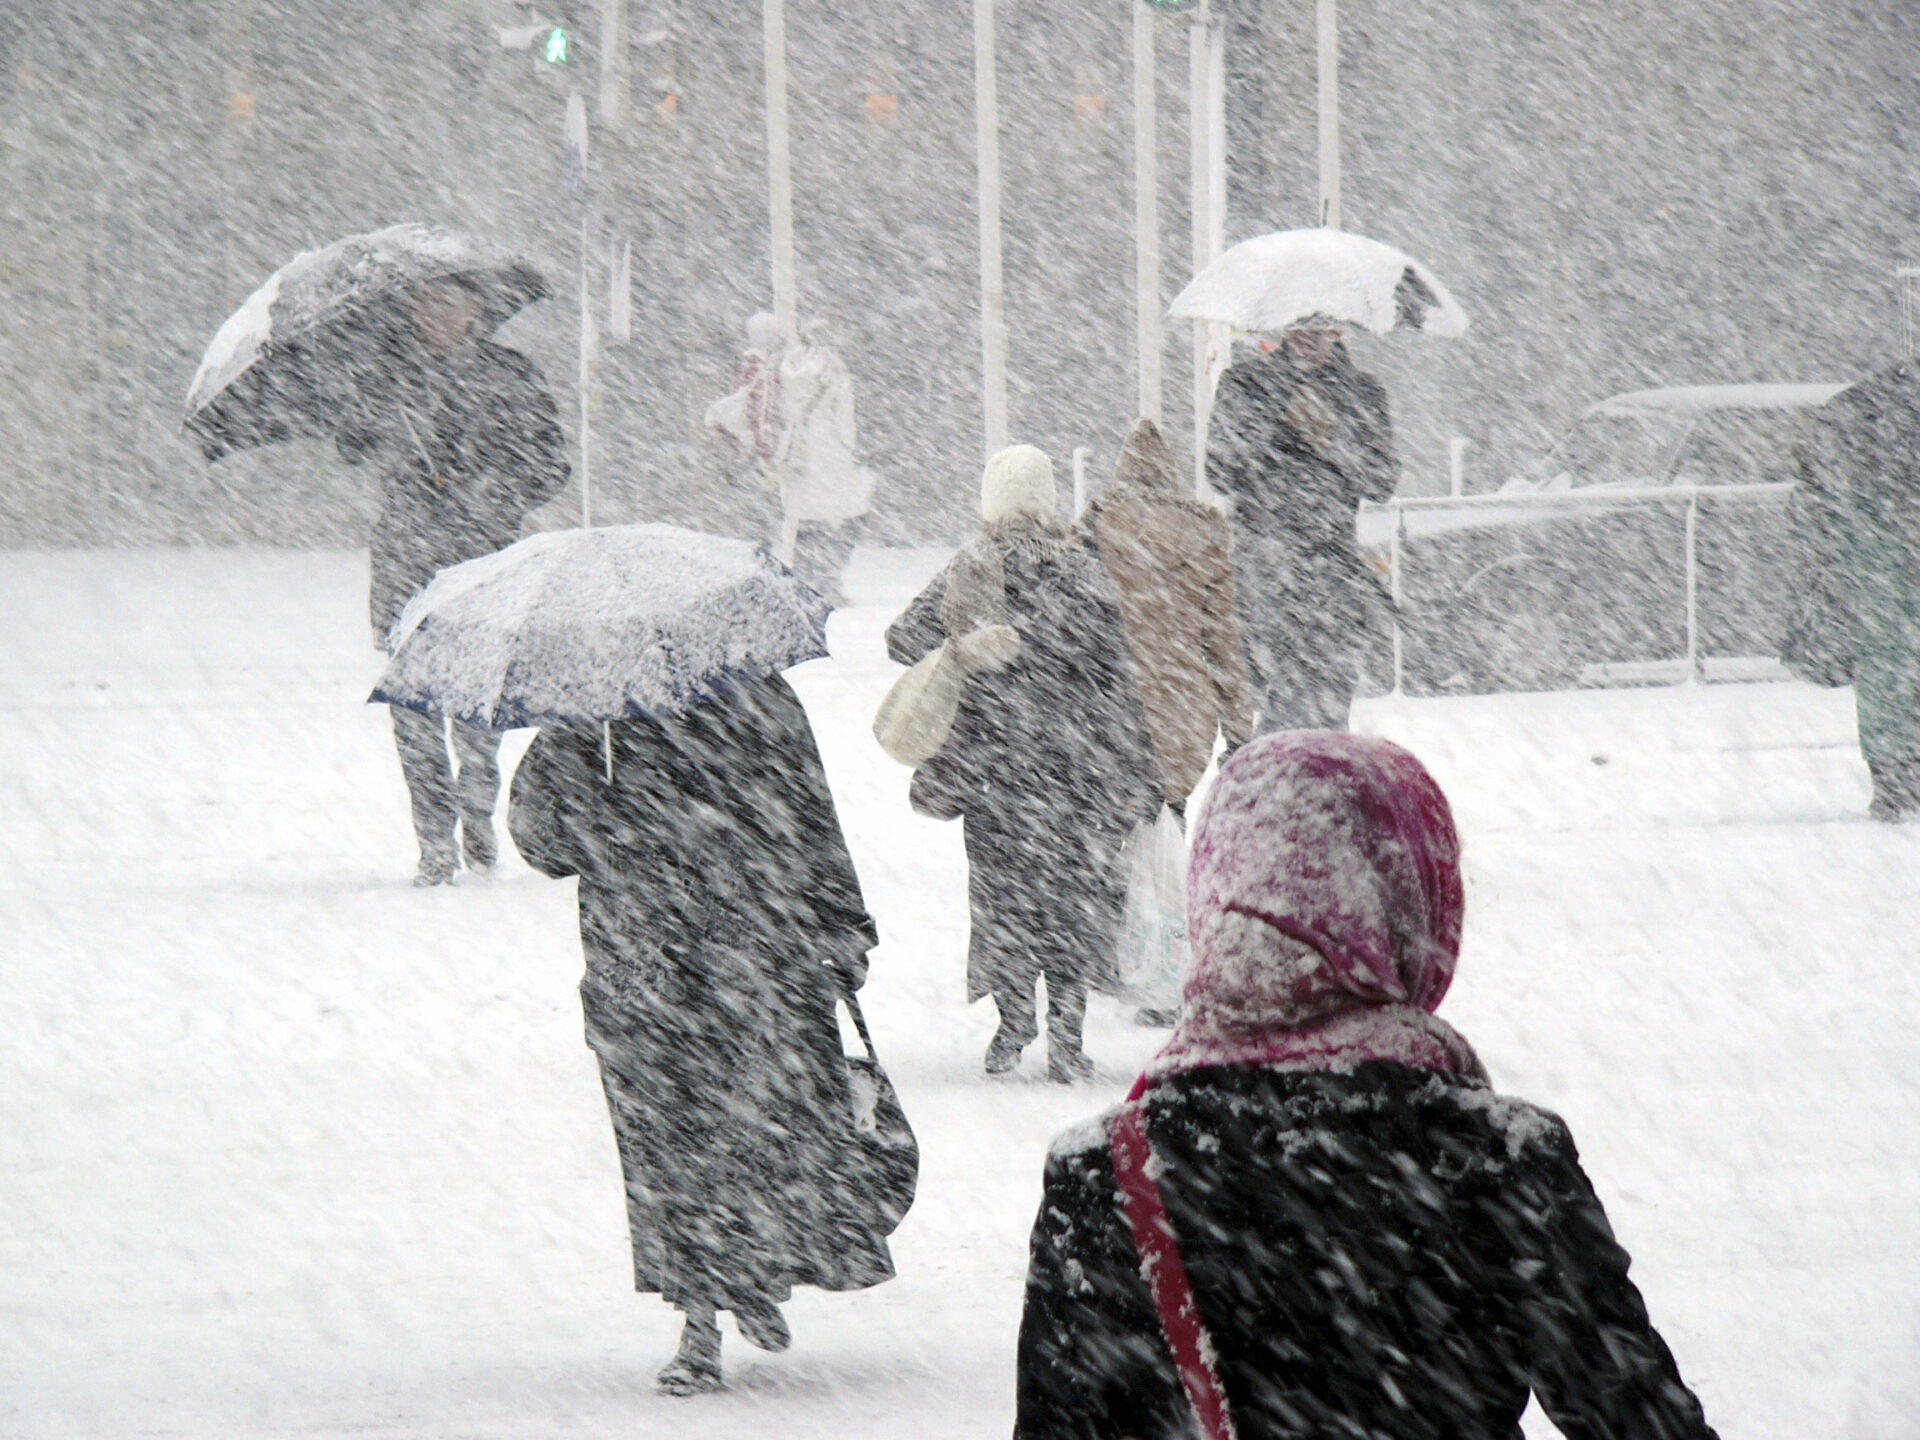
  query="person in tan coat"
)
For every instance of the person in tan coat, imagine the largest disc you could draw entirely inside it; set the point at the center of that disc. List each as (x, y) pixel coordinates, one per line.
(1170, 557)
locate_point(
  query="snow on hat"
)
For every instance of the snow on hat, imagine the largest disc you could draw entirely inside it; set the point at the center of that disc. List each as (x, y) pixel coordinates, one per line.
(1018, 481)
(1325, 904)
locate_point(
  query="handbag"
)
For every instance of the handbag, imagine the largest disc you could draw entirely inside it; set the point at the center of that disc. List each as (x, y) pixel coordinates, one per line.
(1165, 1271)
(913, 722)
(888, 1168)
(917, 716)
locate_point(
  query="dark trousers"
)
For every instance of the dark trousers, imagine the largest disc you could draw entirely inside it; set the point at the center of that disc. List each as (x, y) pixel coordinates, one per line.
(1066, 1013)
(441, 797)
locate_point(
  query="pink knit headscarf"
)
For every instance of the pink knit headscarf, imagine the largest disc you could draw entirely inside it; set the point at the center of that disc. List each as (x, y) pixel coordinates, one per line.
(1324, 905)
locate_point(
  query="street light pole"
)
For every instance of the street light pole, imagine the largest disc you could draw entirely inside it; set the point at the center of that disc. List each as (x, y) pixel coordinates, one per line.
(1146, 212)
(1206, 122)
(1329, 55)
(993, 295)
(786, 303)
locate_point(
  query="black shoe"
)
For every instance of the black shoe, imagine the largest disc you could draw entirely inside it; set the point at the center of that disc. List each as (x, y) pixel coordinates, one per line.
(696, 1369)
(763, 1325)
(1003, 1054)
(477, 845)
(1069, 1068)
(436, 869)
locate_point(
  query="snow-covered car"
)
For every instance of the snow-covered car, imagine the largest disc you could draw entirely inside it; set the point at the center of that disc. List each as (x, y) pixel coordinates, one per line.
(1650, 543)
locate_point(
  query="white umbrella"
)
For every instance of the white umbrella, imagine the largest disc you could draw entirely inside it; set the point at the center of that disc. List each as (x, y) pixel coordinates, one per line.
(1273, 281)
(580, 626)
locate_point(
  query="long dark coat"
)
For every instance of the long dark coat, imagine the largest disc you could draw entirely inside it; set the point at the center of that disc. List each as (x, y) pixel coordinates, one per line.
(1051, 765)
(468, 443)
(1298, 451)
(1385, 1252)
(715, 893)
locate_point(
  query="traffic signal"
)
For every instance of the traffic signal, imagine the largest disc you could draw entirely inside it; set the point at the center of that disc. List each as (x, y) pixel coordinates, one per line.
(556, 48)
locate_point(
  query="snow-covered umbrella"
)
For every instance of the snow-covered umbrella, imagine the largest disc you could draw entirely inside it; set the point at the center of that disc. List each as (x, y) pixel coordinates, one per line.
(289, 361)
(580, 626)
(1274, 281)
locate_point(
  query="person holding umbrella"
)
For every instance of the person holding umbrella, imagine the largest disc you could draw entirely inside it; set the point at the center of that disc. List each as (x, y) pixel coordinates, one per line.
(469, 439)
(1299, 437)
(380, 341)
(675, 773)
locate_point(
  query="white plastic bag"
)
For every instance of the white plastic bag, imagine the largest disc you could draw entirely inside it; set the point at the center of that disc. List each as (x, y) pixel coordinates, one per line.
(1152, 958)
(918, 713)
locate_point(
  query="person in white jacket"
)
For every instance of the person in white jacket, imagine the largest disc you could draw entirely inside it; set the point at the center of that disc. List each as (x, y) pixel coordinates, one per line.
(823, 487)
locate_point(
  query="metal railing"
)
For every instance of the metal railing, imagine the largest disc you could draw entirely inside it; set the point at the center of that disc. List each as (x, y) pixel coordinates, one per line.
(1592, 498)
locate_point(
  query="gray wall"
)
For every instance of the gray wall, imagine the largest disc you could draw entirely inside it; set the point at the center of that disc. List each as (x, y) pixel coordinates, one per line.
(1621, 194)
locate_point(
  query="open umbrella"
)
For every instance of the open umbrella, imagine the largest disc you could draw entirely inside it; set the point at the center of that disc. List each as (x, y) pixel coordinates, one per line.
(1273, 281)
(578, 626)
(289, 361)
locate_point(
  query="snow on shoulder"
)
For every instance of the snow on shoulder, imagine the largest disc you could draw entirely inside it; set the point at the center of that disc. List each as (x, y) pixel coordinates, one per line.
(1523, 1123)
(1092, 1133)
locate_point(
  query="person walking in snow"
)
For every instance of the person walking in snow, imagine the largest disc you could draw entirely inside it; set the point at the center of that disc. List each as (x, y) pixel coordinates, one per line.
(469, 439)
(1328, 1222)
(1170, 557)
(749, 414)
(1299, 436)
(823, 487)
(1049, 763)
(719, 911)
(1860, 503)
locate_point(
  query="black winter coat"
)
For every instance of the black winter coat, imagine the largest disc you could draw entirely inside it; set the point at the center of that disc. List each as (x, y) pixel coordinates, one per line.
(1384, 1253)
(1284, 487)
(1051, 765)
(469, 444)
(717, 899)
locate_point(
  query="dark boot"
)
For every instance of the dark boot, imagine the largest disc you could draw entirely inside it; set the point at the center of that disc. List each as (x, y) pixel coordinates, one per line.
(762, 1324)
(1066, 1015)
(1896, 788)
(695, 1370)
(1017, 1028)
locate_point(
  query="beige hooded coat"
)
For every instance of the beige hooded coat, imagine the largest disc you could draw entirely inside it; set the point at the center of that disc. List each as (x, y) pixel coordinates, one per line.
(1170, 559)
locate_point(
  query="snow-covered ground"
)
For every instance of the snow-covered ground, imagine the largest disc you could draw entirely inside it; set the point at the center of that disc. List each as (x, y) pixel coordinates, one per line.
(288, 1147)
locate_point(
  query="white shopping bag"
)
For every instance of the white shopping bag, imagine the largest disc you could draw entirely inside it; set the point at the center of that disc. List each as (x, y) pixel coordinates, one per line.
(1152, 958)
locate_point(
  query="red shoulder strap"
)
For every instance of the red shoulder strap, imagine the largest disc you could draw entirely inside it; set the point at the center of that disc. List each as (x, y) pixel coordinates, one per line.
(1166, 1272)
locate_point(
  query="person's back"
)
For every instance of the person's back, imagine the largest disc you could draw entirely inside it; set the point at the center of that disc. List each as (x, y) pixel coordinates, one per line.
(1170, 558)
(1380, 1251)
(1314, 1199)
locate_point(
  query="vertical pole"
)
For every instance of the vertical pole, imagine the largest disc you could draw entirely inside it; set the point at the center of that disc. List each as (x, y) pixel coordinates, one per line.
(1457, 464)
(1200, 131)
(1146, 212)
(1693, 590)
(1399, 542)
(1329, 48)
(993, 295)
(615, 83)
(586, 354)
(1080, 454)
(786, 303)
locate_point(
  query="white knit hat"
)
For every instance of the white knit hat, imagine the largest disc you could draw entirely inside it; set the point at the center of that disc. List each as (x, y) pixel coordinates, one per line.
(1018, 481)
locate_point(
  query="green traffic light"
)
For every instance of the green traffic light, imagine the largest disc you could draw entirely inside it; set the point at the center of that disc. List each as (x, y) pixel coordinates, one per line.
(556, 47)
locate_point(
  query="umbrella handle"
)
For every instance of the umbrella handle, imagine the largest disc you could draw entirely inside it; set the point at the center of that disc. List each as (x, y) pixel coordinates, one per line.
(606, 747)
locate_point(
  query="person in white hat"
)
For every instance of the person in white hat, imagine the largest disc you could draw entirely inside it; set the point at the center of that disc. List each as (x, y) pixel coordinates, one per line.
(1049, 761)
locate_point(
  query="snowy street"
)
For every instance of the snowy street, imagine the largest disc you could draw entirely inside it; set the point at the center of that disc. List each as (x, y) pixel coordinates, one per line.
(288, 1147)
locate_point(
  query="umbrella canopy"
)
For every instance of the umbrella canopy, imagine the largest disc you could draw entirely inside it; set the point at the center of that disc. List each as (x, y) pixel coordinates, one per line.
(1274, 281)
(289, 359)
(576, 626)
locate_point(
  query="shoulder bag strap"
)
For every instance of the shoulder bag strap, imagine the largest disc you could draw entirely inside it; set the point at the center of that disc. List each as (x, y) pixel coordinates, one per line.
(860, 1025)
(1166, 1273)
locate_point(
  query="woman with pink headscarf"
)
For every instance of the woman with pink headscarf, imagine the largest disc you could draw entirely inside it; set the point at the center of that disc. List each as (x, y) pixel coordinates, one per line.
(1314, 1217)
